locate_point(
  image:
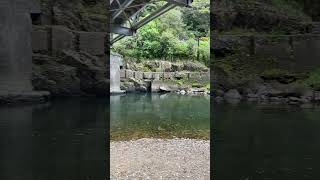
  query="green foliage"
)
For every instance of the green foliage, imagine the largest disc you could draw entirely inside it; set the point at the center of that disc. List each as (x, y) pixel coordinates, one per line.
(207, 86)
(198, 17)
(172, 36)
(314, 79)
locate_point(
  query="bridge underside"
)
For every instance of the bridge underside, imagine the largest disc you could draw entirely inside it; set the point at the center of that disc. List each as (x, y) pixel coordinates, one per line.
(125, 15)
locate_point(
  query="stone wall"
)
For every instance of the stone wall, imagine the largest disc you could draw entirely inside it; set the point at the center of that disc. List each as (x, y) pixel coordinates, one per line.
(294, 52)
(53, 39)
(127, 74)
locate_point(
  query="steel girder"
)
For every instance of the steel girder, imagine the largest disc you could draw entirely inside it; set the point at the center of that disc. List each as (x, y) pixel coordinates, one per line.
(128, 11)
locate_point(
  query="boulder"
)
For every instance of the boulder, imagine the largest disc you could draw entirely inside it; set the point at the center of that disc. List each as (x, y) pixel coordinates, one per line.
(218, 99)
(232, 94)
(168, 88)
(192, 66)
(127, 86)
(251, 96)
(147, 75)
(155, 85)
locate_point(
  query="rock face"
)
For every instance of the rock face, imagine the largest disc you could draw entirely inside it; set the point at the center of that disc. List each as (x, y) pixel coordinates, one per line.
(260, 15)
(70, 63)
(135, 85)
(84, 15)
(70, 74)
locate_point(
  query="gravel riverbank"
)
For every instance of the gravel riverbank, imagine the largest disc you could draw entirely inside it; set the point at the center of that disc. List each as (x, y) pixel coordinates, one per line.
(160, 159)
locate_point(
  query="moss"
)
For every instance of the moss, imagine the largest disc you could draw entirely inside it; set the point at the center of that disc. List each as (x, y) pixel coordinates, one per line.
(197, 85)
(134, 134)
(274, 73)
(146, 69)
(207, 86)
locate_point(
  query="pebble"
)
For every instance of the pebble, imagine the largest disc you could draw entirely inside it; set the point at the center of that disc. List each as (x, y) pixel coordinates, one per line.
(150, 158)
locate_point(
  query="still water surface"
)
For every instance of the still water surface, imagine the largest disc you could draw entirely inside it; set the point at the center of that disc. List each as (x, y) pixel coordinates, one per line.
(265, 142)
(159, 116)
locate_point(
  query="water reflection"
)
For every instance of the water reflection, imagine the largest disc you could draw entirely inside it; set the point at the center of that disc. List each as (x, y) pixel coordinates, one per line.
(265, 142)
(15, 143)
(65, 139)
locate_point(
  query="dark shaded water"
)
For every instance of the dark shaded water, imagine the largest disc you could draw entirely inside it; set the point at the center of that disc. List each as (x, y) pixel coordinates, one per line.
(64, 139)
(265, 142)
(159, 116)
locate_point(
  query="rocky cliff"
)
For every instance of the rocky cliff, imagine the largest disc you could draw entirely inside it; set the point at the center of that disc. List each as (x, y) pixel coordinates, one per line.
(265, 50)
(84, 15)
(258, 16)
(68, 62)
(69, 53)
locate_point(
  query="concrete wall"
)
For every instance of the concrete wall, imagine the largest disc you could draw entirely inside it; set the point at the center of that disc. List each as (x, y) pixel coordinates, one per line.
(115, 61)
(15, 46)
(299, 53)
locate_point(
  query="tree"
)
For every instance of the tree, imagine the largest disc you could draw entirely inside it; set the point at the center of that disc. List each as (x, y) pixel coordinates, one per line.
(171, 36)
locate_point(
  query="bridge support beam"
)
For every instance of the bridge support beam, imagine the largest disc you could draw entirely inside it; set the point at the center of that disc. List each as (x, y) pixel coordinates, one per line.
(16, 53)
(122, 30)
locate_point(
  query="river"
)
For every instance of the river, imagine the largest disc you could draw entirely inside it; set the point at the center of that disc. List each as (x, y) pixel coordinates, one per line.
(65, 138)
(254, 141)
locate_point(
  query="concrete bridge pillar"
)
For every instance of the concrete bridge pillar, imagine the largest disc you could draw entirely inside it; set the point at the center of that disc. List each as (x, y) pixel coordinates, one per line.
(115, 62)
(16, 51)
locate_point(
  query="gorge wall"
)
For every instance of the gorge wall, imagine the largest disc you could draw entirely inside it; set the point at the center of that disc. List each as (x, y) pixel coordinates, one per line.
(276, 68)
(298, 53)
(68, 62)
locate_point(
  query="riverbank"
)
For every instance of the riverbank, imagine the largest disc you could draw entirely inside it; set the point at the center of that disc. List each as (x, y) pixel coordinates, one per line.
(160, 159)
